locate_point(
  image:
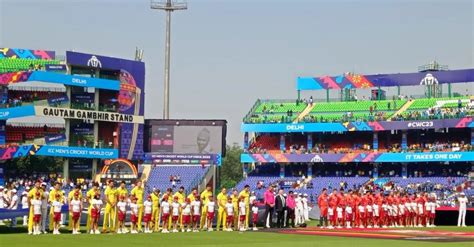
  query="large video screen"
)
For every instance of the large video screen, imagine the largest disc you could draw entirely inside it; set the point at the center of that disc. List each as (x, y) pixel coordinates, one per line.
(187, 139)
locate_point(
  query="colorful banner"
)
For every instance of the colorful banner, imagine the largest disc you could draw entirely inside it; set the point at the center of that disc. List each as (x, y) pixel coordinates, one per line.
(74, 80)
(15, 112)
(58, 151)
(49, 139)
(184, 159)
(27, 54)
(359, 157)
(78, 152)
(385, 80)
(466, 122)
(131, 97)
(52, 77)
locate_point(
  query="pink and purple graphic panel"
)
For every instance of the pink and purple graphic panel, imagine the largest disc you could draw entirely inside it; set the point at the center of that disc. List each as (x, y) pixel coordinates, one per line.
(27, 54)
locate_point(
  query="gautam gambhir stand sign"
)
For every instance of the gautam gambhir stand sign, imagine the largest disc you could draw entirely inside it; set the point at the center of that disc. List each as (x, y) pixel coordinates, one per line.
(87, 115)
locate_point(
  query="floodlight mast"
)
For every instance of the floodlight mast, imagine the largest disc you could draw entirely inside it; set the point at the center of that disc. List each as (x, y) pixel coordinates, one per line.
(168, 6)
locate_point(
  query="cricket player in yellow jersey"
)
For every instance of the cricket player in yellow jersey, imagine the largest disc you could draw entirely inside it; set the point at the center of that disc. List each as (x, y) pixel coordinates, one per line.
(110, 213)
(221, 213)
(89, 196)
(70, 196)
(246, 195)
(31, 195)
(204, 200)
(181, 197)
(138, 192)
(52, 197)
(192, 195)
(122, 190)
(155, 213)
(235, 202)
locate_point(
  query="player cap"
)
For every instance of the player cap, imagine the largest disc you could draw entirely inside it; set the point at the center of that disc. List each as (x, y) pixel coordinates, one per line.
(305, 194)
(24, 193)
(463, 194)
(43, 184)
(13, 190)
(1, 187)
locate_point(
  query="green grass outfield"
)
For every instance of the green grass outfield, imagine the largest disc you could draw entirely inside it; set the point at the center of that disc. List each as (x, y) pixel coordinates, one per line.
(18, 237)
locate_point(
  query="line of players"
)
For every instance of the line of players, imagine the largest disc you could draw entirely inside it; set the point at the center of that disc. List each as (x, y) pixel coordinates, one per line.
(376, 210)
(158, 212)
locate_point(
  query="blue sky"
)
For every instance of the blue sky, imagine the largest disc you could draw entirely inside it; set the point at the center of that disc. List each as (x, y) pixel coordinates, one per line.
(226, 54)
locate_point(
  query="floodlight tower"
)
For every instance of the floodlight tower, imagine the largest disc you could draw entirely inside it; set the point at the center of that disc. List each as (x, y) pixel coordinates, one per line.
(168, 6)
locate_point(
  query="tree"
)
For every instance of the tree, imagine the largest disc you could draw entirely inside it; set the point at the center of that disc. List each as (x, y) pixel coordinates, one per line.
(231, 170)
(33, 164)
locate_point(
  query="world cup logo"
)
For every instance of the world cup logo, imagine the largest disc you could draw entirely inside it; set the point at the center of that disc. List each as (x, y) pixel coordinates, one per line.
(94, 62)
(429, 79)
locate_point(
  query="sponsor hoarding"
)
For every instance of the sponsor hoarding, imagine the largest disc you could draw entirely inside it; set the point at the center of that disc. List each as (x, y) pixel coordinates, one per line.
(466, 122)
(359, 157)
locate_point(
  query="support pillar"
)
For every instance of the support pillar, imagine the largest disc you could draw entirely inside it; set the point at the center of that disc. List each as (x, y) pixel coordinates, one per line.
(404, 170)
(309, 144)
(449, 90)
(472, 136)
(375, 144)
(282, 170)
(282, 142)
(327, 95)
(404, 140)
(246, 141)
(96, 123)
(309, 172)
(94, 168)
(66, 169)
(375, 171)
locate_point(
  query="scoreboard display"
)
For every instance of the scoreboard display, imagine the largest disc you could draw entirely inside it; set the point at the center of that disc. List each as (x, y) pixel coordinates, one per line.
(185, 136)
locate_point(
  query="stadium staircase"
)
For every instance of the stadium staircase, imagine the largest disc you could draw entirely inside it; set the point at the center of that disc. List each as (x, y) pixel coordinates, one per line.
(204, 180)
(402, 109)
(305, 112)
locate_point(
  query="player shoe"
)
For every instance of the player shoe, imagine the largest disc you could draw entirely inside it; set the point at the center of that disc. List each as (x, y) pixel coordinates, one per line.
(254, 229)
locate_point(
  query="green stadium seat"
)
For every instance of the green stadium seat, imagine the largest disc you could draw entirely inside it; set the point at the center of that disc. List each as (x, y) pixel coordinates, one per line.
(20, 64)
